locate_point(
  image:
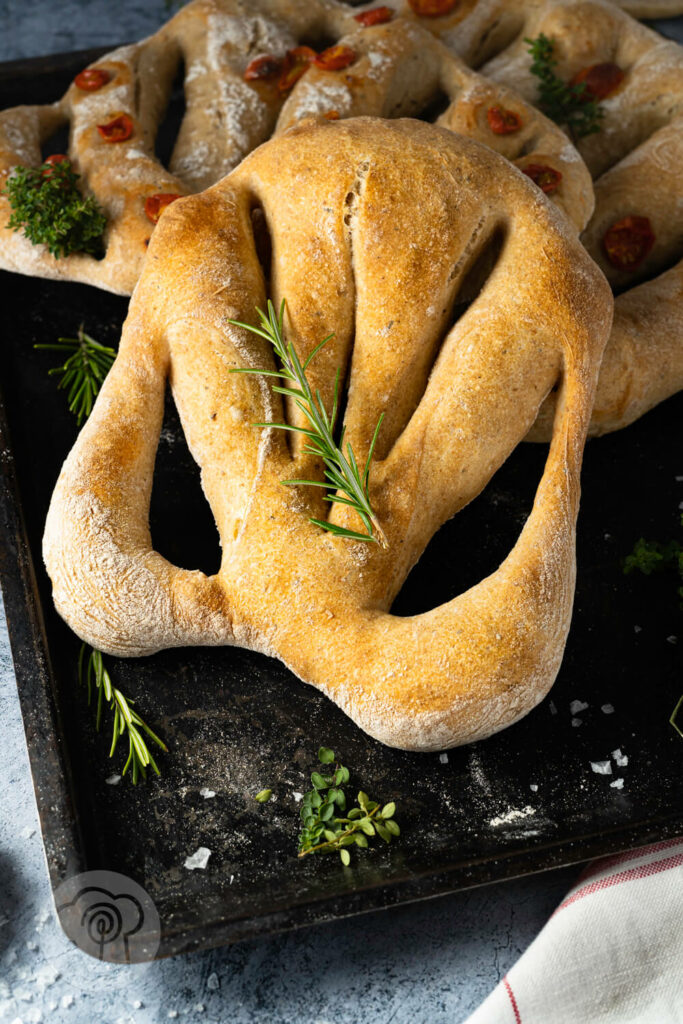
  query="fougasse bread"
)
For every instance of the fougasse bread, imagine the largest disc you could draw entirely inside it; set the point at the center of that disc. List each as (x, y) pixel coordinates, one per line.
(378, 230)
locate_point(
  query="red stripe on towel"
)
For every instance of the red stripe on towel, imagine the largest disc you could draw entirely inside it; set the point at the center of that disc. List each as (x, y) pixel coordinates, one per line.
(642, 871)
(513, 1001)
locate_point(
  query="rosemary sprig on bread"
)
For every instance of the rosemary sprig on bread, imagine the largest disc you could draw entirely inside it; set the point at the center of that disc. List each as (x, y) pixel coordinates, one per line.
(346, 483)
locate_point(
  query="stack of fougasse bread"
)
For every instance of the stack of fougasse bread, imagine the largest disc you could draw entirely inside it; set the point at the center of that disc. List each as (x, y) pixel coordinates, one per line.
(458, 273)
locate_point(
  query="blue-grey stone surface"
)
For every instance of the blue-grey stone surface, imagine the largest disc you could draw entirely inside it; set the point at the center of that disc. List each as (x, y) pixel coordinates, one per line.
(431, 962)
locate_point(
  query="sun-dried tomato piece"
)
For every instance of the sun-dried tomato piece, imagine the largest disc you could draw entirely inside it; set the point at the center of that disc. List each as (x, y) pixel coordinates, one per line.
(546, 177)
(55, 158)
(296, 63)
(118, 130)
(334, 58)
(264, 67)
(628, 242)
(92, 79)
(503, 121)
(600, 80)
(433, 8)
(331, 115)
(156, 204)
(375, 16)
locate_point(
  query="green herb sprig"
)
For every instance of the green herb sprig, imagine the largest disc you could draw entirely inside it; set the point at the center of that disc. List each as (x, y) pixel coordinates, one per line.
(48, 206)
(83, 371)
(92, 671)
(325, 829)
(346, 483)
(649, 556)
(564, 103)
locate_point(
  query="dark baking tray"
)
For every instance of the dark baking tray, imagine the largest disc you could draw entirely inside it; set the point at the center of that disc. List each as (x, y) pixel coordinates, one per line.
(236, 721)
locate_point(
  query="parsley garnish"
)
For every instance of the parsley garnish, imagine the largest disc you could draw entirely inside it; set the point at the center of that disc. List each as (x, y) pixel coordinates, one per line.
(563, 103)
(49, 208)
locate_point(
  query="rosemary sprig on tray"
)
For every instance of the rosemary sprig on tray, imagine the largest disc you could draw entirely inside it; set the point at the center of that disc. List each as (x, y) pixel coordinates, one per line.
(346, 483)
(563, 102)
(47, 205)
(650, 556)
(83, 371)
(86, 365)
(91, 670)
(324, 831)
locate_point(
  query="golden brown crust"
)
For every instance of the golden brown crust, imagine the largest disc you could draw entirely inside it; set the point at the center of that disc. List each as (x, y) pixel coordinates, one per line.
(397, 214)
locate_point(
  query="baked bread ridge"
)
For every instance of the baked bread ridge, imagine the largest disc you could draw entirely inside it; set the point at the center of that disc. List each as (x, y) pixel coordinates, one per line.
(376, 227)
(226, 116)
(635, 159)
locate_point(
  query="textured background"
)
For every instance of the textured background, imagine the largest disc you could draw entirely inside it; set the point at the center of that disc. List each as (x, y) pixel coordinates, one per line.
(432, 962)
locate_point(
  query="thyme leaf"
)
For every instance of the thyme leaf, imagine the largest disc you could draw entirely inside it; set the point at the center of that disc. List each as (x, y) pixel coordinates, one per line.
(48, 206)
(329, 825)
(563, 102)
(650, 556)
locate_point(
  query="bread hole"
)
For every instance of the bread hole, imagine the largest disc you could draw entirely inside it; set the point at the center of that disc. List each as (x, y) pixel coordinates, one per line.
(57, 142)
(472, 545)
(318, 38)
(181, 522)
(503, 31)
(482, 265)
(262, 242)
(169, 126)
(435, 107)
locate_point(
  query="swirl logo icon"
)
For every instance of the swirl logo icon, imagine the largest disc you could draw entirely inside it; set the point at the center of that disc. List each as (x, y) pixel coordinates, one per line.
(109, 916)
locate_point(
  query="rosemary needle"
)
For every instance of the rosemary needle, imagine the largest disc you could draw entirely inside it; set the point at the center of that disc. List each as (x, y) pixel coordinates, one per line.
(346, 483)
(86, 365)
(125, 718)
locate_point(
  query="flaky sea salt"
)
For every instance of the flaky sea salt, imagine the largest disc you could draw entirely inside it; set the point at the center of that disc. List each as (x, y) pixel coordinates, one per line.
(601, 767)
(113, 780)
(621, 759)
(617, 784)
(212, 982)
(298, 797)
(533, 787)
(576, 722)
(576, 706)
(607, 709)
(206, 793)
(199, 859)
(443, 758)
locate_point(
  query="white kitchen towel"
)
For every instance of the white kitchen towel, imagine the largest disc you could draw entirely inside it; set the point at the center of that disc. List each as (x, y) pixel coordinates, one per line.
(612, 952)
